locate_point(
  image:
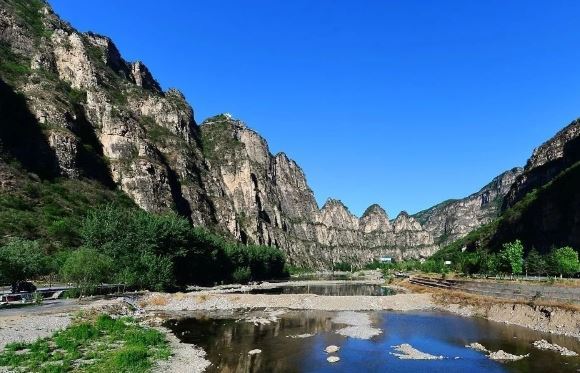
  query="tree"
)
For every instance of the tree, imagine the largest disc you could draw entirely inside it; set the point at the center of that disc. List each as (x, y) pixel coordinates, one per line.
(21, 260)
(512, 257)
(86, 268)
(566, 260)
(535, 263)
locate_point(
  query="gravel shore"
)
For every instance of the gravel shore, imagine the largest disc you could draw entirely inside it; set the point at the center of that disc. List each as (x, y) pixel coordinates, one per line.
(185, 358)
(28, 328)
(194, 301)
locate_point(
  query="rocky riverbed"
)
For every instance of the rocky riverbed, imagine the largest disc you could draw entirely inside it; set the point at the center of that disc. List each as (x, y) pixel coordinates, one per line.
(30, 323)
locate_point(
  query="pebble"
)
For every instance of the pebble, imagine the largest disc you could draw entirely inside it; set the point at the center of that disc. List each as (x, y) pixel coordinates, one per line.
(255, 352)
(332, 359)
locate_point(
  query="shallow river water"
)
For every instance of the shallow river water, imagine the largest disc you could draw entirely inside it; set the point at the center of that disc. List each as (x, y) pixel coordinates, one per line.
(227, 340)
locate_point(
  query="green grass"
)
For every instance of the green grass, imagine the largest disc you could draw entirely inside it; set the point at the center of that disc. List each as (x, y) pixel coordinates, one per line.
(13, 68)
(103, 344)
(52, 210)
(217, 139)
(30, 12)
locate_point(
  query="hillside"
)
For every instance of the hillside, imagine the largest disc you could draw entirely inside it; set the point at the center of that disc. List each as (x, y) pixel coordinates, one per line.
(74, 111)
(453, 219)
(542, 207)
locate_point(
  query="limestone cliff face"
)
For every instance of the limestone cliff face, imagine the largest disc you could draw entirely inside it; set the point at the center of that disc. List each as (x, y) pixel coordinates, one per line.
(95, 115)
(546, 162)
(453, 219)
(265, 199)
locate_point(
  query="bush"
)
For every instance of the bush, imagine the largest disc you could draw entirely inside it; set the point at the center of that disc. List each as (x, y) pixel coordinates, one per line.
(86, 268)
(342, 266)
(21, 260)
(242, 275)
(565, 260)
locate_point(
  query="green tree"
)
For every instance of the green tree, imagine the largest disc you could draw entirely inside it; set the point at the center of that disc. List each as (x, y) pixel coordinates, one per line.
(21, 260)
(535, 263)
(566, 260)
(512, 257)
(86, 268)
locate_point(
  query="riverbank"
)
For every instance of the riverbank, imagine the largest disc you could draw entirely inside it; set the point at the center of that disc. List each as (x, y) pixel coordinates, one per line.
(151, 309)
(561, 319)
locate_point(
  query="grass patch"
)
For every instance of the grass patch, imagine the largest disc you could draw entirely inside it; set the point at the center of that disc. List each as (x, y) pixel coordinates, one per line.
(217, 138)
(13, 68)
(30, 13)
(100, 344)
(52, 210)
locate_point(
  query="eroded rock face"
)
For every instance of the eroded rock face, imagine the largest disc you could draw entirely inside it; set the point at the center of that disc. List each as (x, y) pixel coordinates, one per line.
(265, 199)
(99, 116)
(453, 219)
(546, 162)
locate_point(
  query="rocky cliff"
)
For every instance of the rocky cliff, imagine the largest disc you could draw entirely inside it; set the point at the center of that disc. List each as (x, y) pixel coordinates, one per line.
(546, 162)
(542, 206)
(453, 219)
(265, 198)
(74, 108)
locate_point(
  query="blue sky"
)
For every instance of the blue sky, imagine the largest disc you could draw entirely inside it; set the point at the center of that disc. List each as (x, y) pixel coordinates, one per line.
(404, 103)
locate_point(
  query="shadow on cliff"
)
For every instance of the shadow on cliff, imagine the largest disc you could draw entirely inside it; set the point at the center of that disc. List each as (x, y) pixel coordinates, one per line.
(21, 137)
(545, 173)
(548, 217)
(90, 155)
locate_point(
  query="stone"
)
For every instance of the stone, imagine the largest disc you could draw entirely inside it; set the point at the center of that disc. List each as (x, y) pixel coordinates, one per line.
(477, 347)
(331, 349)
(333, 359)
(501, 355)
(542, 344)
(255, 351)
(407, 352)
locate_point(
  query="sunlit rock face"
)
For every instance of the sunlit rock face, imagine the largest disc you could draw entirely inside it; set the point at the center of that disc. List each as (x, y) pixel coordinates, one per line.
(453, 219)
(108, 119)
(265, 198)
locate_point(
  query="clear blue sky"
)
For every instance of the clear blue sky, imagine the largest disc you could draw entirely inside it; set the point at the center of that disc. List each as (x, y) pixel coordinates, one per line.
(404, 103)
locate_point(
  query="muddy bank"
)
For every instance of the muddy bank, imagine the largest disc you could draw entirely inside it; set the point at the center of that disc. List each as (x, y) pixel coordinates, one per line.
(548, 319)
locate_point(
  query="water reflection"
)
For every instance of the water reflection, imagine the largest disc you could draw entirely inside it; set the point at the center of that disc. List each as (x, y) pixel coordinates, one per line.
(228, 341)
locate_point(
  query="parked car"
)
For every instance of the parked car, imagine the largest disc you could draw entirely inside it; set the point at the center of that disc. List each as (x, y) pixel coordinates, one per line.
(24, 286)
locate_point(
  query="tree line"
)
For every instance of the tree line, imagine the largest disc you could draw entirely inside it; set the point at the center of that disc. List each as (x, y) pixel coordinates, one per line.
(510, 260)
(141, 251)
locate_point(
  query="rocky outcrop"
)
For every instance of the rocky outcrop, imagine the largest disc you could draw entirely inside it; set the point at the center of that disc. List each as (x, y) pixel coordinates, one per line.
(546, 162)
(265, 198)
(96, 115)
(453, 219)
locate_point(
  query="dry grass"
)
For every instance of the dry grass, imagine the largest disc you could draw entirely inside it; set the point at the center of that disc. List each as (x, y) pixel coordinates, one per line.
(202, 298)
(156, 300)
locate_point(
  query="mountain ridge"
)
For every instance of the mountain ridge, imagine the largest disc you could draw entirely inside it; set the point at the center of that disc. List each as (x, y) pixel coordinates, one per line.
(89, 104)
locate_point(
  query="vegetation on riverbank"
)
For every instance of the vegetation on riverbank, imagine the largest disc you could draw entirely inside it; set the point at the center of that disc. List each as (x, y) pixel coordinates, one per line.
(91, 344)
(115, 242)
(510, 260)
